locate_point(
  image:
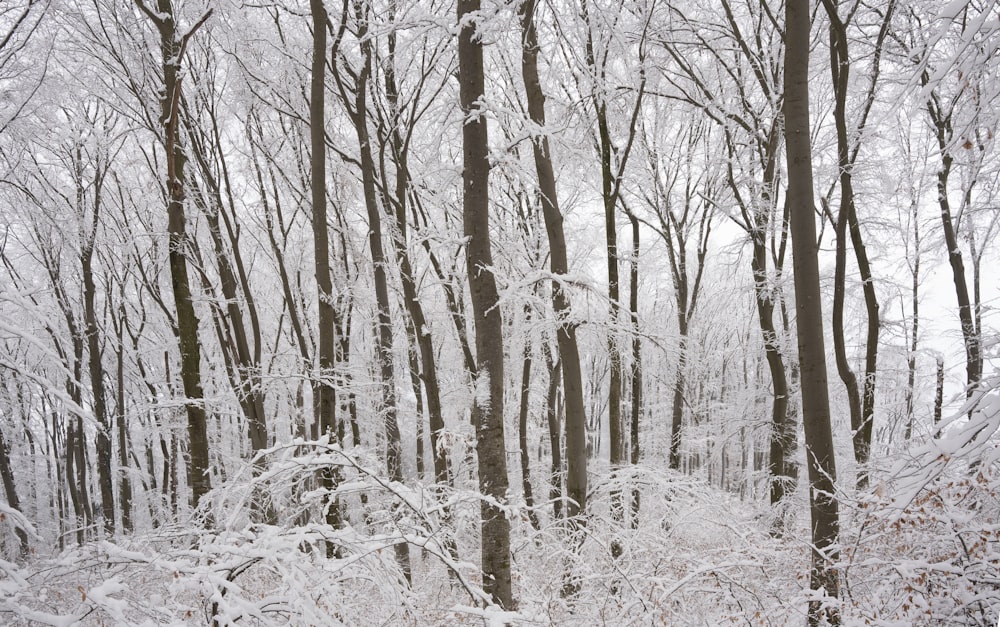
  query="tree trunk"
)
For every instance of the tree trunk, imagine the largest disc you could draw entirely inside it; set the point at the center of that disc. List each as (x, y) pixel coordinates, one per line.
(172, 46)
(324, 394)
(677, 404)
(939, 390)
(247, 373)
(911, 361)
(522, 435)
(636, 373)
(809, 319)
(124, 445)
(10, 489)
(941, 120)
(489, 384)
(104, 453)
(386, 397)
(569, 355)
(555, 437)
(862, 404)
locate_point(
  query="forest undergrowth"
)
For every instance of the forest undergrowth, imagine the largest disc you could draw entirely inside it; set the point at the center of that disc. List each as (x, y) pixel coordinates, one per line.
(922, 547)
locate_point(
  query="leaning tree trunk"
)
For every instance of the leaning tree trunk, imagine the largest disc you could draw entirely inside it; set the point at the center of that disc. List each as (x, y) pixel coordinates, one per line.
(809, 319)
(488, 407)
(862, 403)
(522, 432)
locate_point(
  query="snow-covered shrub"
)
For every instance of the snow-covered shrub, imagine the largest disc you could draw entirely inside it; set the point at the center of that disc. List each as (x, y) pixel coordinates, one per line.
(926, 545)
(231, 571)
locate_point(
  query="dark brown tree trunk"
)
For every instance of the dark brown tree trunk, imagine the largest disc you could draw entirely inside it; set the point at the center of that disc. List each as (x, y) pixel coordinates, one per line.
(677, 404)
(489, 384)
(840, 350)
(247, 371)
(636, 372)
(386, 398)
(124, 445)
(939, 390)
(10, 489)
(522, 435)
(973, 350)
(555, 437)
(862, 404)
(611, 181)
(941, 121)
(418, 394)
(172, 46)
(809, 314)
(569, 355)
(324, 394)
(104, 452)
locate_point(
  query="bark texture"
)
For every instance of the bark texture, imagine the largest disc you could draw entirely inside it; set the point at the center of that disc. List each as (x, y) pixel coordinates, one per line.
(489, 383)
(809, 320)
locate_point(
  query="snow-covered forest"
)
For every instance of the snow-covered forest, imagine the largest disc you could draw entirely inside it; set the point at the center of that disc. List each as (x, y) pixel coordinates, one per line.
(528, 312)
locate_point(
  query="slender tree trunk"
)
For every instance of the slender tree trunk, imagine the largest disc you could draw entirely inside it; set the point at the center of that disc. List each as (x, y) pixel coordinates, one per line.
(247, 371)
(840, 350)
(677, 404)
(418, 394)
(555, 437)
(862, 403)
(324, 394)
(386, 398)
(124, 446)
(911, 362)
(10, 489)
(941, 120)
(781, 431)
(489, 384)
(522, 434)
(104, 452)
(939, 391)
(809, 319)
(172, 46)
(569, 356)
(636, 373)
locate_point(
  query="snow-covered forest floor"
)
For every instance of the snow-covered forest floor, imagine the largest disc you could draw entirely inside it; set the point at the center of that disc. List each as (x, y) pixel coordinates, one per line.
(922, 547)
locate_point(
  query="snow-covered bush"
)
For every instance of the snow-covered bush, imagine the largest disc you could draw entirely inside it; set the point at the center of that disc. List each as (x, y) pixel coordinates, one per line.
(926, 545)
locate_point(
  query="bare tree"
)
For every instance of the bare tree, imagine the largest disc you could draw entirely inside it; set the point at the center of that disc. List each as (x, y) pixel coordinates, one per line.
(569, 354)
(324, 395)
(172, 46)
(489, 384)
(357, 109)
(861, 403)
(809, 315)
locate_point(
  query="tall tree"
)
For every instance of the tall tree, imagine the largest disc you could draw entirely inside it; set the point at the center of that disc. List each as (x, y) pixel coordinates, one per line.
(397, 198)
(751, 122)
(324, 394)
(172, 46)
(569, 354)
(489, 384)
(357, 109)
(94, 351)
(682, 198)
(613, 161)
(239, 318)
(861, 403)
(823, 506)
